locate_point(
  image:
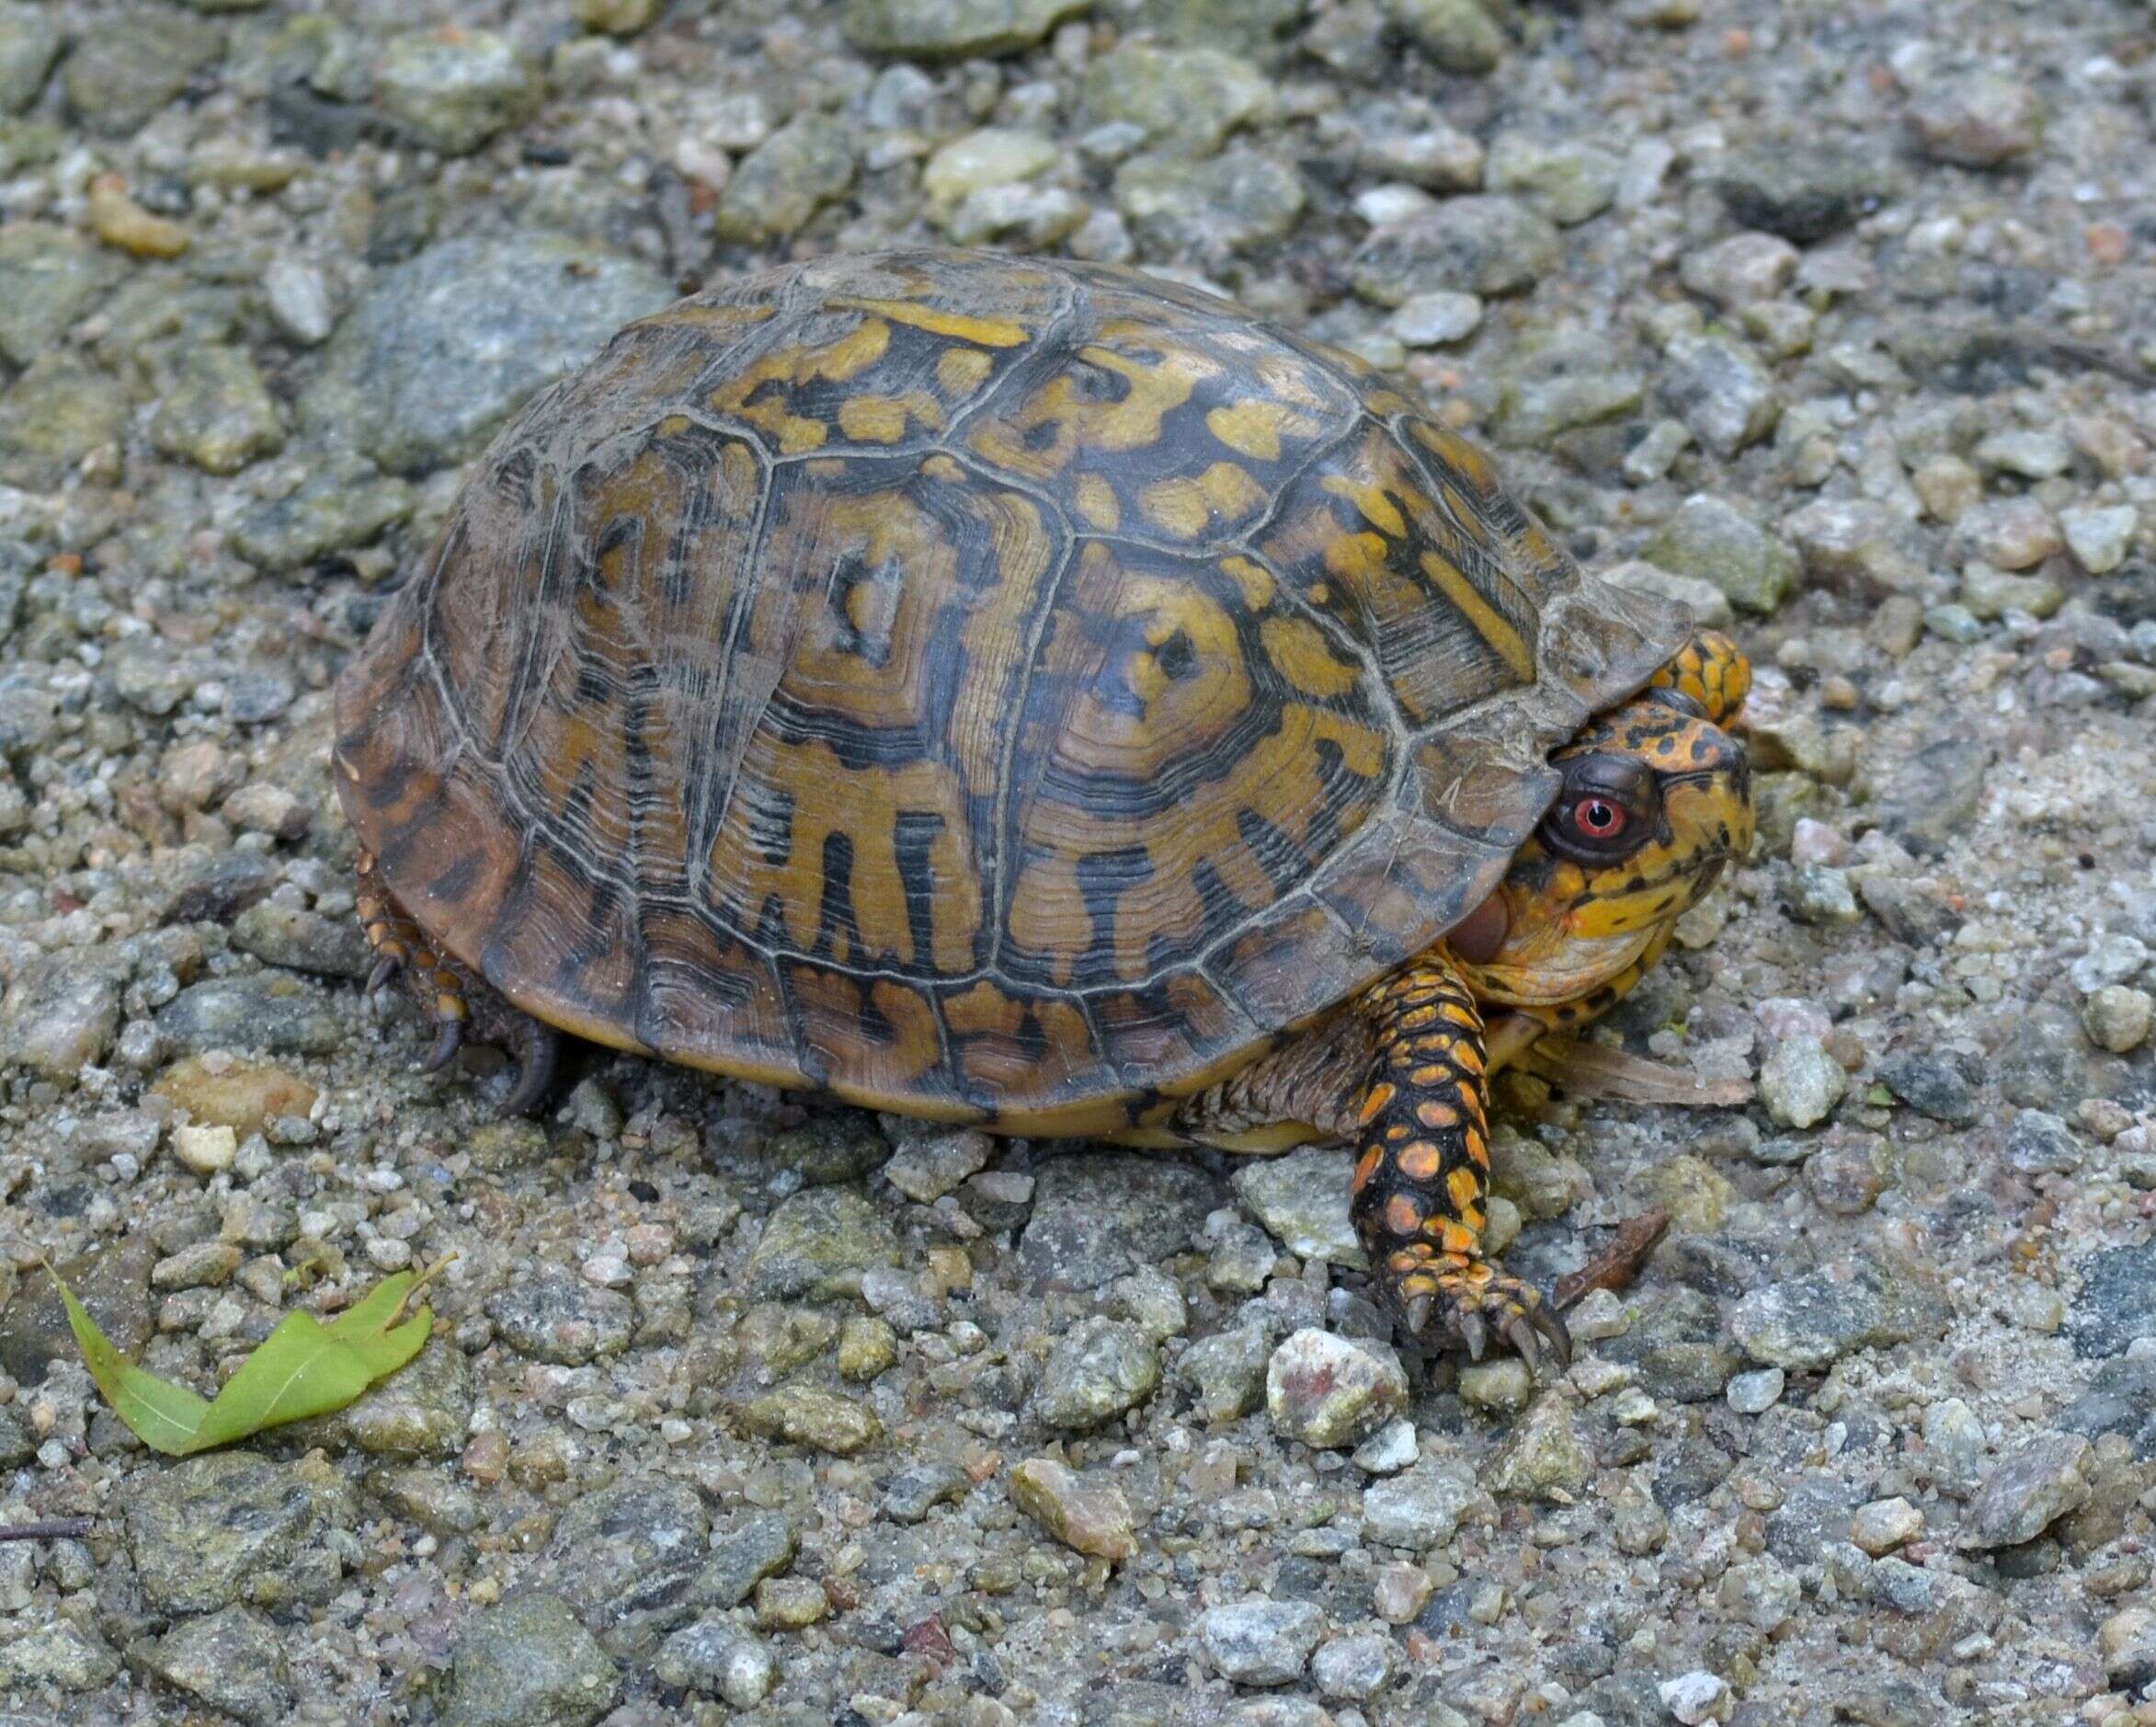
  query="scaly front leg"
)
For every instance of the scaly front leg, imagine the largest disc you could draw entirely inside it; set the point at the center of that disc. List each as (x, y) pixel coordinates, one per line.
(1423, 1178)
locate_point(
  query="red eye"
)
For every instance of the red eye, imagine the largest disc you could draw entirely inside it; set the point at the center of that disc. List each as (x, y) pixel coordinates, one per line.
(1598, 819)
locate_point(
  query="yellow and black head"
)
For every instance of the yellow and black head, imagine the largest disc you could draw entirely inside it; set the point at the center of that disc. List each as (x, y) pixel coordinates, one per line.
(1656, 798)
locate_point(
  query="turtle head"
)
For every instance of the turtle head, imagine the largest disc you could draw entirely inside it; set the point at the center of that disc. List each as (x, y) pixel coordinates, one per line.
(1656, 798)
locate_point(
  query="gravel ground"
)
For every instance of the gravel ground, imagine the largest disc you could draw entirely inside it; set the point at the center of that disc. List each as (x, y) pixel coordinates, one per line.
(1833, 318)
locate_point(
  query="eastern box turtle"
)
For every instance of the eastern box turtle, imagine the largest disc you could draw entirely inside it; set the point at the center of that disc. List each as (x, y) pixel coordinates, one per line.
(1028, 693)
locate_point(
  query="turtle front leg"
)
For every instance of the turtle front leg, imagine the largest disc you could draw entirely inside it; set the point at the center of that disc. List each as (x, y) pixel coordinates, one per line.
(453, 999)
(1422, 1180)
(1712, 670)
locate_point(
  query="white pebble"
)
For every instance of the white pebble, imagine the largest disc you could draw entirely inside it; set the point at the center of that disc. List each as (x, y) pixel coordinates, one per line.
(205, 1149)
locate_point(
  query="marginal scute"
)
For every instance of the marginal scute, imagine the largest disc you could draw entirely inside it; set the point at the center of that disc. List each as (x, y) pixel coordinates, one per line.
(991, 689)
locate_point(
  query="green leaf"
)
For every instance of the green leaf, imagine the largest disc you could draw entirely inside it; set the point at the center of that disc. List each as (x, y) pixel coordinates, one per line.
(301, 1369)
(163, 1416)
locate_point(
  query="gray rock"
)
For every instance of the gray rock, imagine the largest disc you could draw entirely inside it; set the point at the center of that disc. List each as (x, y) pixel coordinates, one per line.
(264, 1011)
(1390, 1450)
(1098, 1214)
(528, 1663)
(1955, 1445)
(2120, 1398)
(336, 510)
(1327, 1390)
(443, 349)
(1912, 911)
(231, 1660)
(1802, 190)
(624, 1559)
(2113, 957)
(924, 1170)
(1432, 320)
(300, 940)
(424, 1409)
(217, 412)
(809, 1415)
(1565, 181)
(1405, 138)
(2040, 1144)
(1718, 389)
(1250, 27)
(919, 1488)
(1477, 245)
(2117, 1301)
(230, 1528)
(1713, 540)
(50, 279)
(2034, 1485)
(1546, 1458)
(111, 1282)
(1183, 100)
(1756, 1392)
(817, 1245)
(2100, 536)
(761, 1546)
(786, 179)
(714, 1657)
(1741, 270)
(58, 1652)
(1459, 35)
(1810, 1322)
(2118, 1019)
(1226, 203)
(29, 43)
(1563, 381)
(1097, 1370)
(62, 1012)
(1302, 1198)
(1262, 1641)
(453, 89)
(1354, 1668)
(1419, 1508)
(936, 30)
(1225, 1373)
(123, 74)
(1940, 1086)
(1981, 119)
(1931, 797)
(1801, 1084)
(552, 1315)
(56, 414)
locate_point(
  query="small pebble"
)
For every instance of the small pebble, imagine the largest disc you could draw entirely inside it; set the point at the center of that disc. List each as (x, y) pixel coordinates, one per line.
(205, 1149)
(1885, 1525)
(1755, 1392)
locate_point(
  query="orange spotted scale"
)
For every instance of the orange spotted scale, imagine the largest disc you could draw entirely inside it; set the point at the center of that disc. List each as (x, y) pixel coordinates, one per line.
(1010, 692)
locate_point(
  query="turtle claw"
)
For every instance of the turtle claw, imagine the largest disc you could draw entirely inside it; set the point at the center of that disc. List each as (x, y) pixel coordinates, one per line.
(1417, 1313)
(537, 1049)
(447, 1039)
(1527, 1342)
(385, 969)
(1547, 1321)
(1474, 1332)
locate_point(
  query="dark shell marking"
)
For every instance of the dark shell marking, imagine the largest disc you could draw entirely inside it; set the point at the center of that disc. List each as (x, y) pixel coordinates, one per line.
(979, 688)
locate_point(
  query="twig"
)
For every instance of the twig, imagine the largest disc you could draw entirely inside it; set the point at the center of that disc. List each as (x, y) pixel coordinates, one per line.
(52, 1530)
(1618, 1264)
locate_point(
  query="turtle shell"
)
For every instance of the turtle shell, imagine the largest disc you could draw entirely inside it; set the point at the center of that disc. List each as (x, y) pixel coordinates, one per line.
(981, 688)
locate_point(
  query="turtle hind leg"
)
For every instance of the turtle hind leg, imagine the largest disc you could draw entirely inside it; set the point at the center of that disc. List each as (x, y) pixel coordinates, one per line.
(455, 1000)
(1422, 1176)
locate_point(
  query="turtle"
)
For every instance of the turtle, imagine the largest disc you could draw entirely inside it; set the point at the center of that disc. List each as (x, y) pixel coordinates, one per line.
(1033, 694)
